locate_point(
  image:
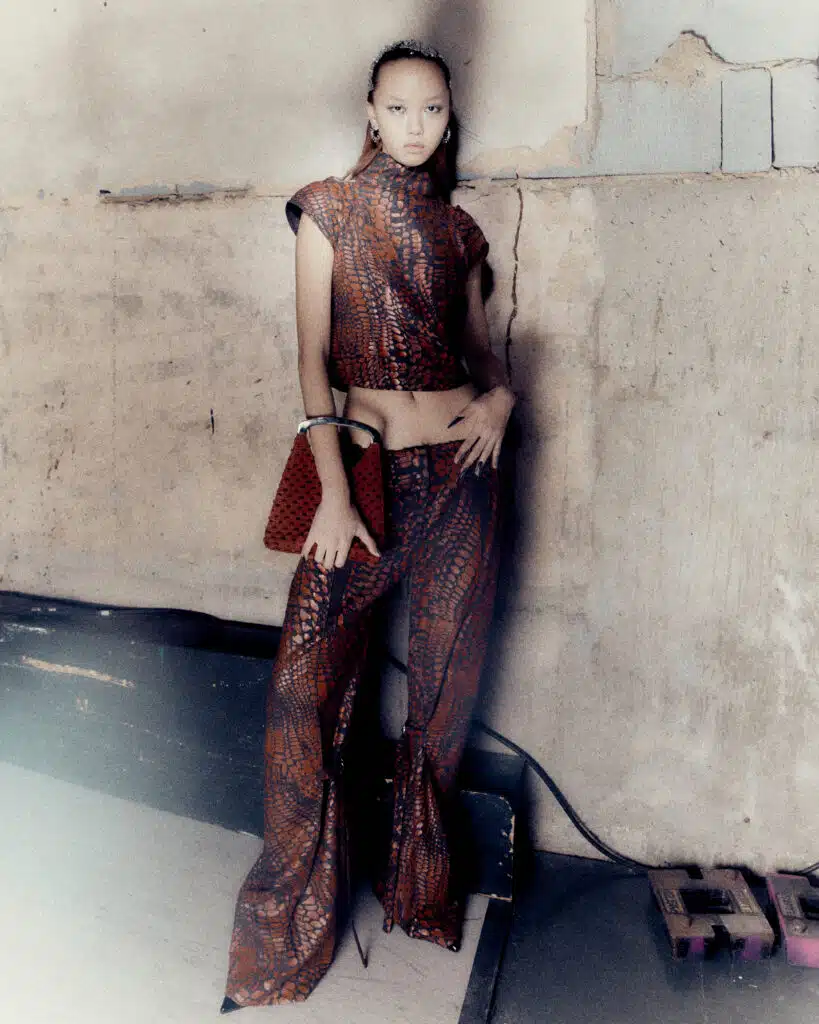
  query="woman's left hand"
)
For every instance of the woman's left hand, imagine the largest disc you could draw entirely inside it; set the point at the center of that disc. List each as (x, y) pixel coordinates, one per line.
(485, 419)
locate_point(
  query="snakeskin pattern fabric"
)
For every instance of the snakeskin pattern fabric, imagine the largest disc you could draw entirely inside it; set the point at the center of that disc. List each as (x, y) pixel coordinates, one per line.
(401, 259)
(442, 535)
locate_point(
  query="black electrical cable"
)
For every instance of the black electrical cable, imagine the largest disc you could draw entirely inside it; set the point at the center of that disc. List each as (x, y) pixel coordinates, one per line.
(554, 789)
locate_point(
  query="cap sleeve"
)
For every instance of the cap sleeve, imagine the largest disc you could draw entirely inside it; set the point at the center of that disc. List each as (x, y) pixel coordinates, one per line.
(474, 240)
(321, 201)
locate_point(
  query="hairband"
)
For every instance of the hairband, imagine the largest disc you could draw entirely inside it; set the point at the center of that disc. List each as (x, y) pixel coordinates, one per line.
(411, 48)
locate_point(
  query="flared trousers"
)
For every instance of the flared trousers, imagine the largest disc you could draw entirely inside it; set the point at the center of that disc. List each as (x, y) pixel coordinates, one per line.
(442, 537)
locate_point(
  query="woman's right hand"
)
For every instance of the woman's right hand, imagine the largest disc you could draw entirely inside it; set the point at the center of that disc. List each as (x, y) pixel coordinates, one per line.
(335, 525)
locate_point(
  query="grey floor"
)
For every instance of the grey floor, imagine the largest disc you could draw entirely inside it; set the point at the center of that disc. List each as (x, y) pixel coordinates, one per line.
(587, 947)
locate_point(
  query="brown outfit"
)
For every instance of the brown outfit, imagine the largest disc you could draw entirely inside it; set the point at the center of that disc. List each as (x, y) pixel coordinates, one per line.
(402, 255)
(401, 261)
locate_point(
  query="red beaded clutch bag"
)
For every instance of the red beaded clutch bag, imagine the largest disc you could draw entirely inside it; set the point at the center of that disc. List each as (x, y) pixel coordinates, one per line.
(299, 491)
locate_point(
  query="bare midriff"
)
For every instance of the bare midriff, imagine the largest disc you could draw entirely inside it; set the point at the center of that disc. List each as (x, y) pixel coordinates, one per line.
(408, 418)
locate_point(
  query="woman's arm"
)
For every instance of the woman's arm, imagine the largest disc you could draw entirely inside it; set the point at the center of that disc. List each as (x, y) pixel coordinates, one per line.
(314, 267)
(487, 415)
(484, 366)
(336, 522)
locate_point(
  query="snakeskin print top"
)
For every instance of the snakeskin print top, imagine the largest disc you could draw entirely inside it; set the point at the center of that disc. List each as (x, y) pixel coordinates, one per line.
(402, 256)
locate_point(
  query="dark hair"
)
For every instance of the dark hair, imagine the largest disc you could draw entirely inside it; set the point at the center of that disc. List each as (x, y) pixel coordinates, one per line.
(442, 162)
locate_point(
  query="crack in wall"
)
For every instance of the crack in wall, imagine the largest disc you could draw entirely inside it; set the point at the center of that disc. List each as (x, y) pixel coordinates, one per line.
(705, 42)
(687, 75)
(722, 124)
(514, 312)
(594, 71)
(692, 56)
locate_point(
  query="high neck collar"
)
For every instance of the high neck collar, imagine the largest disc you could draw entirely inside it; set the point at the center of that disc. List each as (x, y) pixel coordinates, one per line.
(387, 172)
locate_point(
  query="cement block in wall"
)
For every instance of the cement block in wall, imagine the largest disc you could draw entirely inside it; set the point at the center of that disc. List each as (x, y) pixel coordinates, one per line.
(796, 115)
(737, 32)
(649, 127)
(746, 120)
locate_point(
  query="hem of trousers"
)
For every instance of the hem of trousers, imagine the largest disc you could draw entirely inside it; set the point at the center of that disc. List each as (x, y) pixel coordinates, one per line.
(293, 989)
(299, 993)
(414, 930)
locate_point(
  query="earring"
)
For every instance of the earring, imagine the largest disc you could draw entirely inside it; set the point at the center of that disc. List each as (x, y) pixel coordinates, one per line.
(375, 135)
(447, 135)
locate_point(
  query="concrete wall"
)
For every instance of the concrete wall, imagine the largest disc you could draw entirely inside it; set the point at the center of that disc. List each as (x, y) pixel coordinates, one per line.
(702, 85)
(655, 271)
(660, 645)
(115, 95)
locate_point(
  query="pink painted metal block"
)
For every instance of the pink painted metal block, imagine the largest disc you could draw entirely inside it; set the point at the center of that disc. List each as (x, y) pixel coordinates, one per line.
(709, 910)
(797, 906)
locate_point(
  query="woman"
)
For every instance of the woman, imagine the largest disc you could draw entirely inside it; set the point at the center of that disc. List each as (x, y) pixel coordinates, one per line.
(388, 309)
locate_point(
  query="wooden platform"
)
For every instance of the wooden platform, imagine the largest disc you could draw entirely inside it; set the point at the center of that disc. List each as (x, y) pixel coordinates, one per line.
(116, 912)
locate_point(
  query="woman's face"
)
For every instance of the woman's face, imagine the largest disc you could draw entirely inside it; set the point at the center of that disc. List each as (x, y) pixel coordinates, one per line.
(410, 108)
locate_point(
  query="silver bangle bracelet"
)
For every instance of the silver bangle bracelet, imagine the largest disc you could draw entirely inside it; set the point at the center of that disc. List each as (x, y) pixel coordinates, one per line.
(339, 421)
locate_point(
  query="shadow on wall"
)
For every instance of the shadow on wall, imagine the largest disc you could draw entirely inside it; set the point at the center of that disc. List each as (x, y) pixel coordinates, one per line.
(519, 485)
(458, 31)
(118, 115)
